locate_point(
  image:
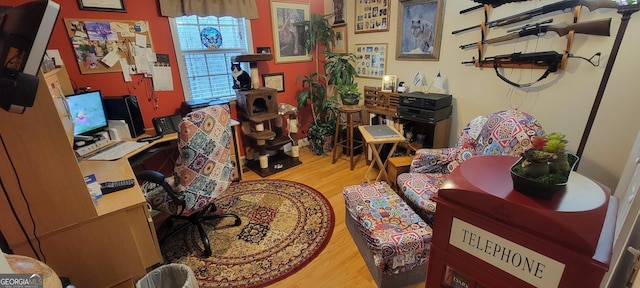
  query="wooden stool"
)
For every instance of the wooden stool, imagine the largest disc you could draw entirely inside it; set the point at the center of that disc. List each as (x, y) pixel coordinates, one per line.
(349, 143)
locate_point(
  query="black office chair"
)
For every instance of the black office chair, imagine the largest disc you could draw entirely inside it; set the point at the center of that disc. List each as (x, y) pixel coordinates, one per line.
(203, 171)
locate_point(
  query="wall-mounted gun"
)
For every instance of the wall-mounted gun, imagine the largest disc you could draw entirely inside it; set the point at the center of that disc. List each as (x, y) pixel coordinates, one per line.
(595, 27)
(558, 6)
(547, 59)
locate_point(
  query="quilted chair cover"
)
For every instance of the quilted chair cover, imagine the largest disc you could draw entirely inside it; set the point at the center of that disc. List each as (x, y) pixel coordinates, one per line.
(504, 133)
(204, 169)
(398, 238)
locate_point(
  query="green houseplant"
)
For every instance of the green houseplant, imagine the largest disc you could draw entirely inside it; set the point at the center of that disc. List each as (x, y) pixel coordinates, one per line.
(341, 73)
(349, 94)
(318, 35)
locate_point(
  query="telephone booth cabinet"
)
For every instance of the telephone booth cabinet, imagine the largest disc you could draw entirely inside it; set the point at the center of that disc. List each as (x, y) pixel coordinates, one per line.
(486, 234)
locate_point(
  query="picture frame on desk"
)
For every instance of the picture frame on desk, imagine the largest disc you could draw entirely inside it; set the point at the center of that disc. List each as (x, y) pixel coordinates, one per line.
(388, 83)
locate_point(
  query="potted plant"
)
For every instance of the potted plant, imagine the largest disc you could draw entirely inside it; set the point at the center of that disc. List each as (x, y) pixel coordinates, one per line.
(543, 169)
(318, 35)
(341, 73)
(349, 94)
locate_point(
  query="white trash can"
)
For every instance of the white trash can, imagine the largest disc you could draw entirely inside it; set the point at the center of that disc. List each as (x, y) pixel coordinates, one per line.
(171, 275)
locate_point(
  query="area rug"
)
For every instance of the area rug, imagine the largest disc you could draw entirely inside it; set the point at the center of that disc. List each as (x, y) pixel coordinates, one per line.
(284, 226)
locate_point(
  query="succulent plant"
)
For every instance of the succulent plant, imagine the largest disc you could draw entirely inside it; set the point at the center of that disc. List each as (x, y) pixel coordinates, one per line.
(556, 143)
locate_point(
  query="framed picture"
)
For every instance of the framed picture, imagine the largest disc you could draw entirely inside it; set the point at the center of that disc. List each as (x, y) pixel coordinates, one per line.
(263, 50)
(340, 43)
(338, 13)
(388, 83)
(288, 38)
(274, 80)
(102, 5)
(372, 16)
(419, 30)
(371, 60)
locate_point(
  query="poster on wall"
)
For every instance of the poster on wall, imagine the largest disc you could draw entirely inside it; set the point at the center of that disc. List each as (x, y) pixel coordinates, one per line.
(419, 30)
(372, 16)
(371, 60)
(288, 38)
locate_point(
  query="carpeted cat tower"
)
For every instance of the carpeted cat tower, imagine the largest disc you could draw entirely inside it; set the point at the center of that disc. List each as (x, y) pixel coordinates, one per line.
(262, 119)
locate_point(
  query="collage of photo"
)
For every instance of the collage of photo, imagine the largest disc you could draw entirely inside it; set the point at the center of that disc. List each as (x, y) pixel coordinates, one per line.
(371, 59)
(371, 15)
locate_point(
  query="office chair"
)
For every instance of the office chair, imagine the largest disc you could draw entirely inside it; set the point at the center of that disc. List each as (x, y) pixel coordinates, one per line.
(202, 172)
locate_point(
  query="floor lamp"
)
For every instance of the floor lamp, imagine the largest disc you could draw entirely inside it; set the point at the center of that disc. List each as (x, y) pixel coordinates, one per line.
(626, 12)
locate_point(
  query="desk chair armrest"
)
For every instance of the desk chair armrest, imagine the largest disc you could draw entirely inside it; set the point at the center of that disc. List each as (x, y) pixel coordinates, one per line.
(157, 178)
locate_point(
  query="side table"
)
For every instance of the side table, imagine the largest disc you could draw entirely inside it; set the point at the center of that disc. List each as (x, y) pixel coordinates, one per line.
(397, 166)
(375, 144)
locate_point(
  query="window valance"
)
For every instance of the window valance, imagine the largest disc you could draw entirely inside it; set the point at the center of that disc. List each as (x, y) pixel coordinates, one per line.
(219, 8)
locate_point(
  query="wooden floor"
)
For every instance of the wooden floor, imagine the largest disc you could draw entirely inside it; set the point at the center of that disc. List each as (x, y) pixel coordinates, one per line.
(340, 263)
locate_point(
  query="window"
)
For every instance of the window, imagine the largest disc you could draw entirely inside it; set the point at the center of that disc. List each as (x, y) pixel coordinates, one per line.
(205, 72)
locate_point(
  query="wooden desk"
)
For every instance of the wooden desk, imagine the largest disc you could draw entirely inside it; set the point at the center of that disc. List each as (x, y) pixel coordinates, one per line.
(375, 144)
(99, 245)
(119, 170)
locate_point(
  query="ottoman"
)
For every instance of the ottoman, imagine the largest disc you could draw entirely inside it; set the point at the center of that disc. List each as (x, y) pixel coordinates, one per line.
(392, 239)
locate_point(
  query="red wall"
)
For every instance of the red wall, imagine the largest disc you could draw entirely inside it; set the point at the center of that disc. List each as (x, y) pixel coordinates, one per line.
(113, 84)
(263, 37)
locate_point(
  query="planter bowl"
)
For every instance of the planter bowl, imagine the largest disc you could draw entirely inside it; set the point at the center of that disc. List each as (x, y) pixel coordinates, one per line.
(537, 189)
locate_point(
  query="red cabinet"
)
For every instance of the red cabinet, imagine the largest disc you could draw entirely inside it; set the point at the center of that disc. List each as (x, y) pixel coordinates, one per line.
(488, 235)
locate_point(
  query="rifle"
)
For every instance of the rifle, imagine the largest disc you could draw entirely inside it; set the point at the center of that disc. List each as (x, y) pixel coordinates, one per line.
(471, 8)
(561, 5)
(595, 27)
(549, 59)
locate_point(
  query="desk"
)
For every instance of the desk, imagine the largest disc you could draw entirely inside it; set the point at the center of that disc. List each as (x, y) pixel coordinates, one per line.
(375, 144)
(121, 169)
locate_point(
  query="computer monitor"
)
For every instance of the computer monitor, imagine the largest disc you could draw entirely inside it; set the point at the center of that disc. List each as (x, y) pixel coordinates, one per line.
(87, 113)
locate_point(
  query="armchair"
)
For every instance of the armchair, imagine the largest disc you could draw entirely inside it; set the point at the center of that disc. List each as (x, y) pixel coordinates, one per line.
(202, 172)
(505, 133)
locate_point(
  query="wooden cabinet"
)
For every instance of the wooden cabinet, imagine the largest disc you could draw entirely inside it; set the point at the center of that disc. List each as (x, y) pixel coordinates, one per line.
(385, 106)
(486, 234)
(94, 245)
(427, 134)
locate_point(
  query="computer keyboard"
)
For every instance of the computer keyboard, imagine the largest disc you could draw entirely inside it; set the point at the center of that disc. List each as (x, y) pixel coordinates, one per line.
(118, 150)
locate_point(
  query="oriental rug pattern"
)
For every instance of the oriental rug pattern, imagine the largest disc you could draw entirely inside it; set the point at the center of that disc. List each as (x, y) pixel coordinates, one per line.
(284, 226)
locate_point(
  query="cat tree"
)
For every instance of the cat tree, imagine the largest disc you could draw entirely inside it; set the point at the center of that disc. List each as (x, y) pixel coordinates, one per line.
(262, 119)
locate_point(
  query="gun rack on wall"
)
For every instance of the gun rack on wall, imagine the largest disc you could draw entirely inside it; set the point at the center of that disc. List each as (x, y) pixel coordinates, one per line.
(484, 31)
